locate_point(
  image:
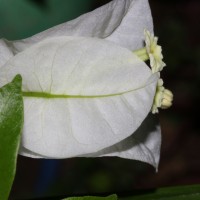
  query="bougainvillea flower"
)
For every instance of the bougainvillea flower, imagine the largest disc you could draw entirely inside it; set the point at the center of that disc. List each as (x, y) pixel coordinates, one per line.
(163, 97)
(85, 93)
(154, 52)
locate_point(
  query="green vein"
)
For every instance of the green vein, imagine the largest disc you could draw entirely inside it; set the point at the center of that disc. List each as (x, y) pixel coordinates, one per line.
(66, 96)
(63, 96)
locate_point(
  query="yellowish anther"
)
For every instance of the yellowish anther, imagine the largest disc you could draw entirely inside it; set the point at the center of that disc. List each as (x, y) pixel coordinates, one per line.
(154, 52)
(163, 97)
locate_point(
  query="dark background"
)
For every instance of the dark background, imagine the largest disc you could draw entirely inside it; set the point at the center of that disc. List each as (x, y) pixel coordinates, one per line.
(177, 23)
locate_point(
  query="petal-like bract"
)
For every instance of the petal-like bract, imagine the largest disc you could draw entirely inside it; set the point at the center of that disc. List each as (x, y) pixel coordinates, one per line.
(5, 52)
(122, 22)
(113, 90)
(81, 95)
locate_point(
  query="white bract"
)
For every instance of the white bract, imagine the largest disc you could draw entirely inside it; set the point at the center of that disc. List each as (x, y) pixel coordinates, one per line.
(85, 92)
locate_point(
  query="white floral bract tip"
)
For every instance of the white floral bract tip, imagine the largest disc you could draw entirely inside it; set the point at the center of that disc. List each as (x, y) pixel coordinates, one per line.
(88, 56)
(163, 97)
(154, 51)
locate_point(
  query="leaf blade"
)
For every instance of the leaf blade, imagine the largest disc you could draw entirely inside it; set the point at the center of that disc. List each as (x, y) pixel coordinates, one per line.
(110, 197)
(11, 121)
(169, 193)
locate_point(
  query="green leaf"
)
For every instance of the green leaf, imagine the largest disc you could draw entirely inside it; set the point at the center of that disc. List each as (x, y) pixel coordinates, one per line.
(169, 193)
(11, 121)
(111, 197)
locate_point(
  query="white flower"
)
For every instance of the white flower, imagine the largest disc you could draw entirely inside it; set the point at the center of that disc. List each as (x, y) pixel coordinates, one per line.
(85, 96)
(163, 97)
(154, 51)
